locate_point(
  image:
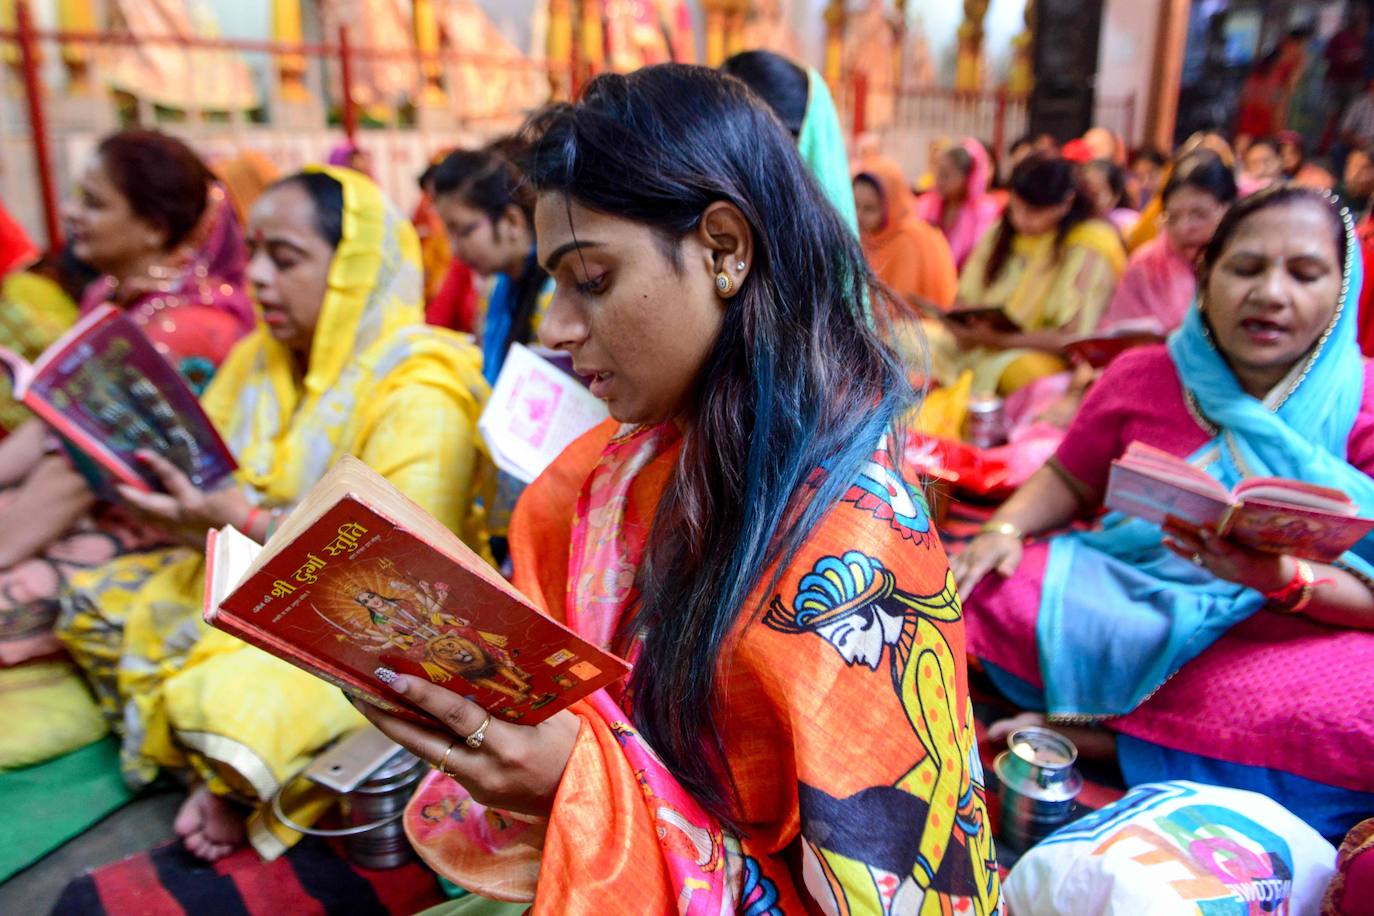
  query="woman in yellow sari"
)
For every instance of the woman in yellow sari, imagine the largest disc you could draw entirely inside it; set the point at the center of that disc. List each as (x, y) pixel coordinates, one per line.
(1048, 266)
(342, 363)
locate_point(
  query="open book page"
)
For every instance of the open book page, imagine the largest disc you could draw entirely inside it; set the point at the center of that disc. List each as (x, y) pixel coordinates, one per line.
(364, 578)
(229, 554)
(1278, 491)
(1133, 490)
(535, 411)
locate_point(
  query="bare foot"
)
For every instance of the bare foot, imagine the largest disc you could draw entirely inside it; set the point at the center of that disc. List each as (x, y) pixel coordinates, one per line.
(210, 826)
(1092, 743)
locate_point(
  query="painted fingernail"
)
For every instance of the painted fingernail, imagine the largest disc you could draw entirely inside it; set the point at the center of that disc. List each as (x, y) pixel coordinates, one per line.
(386, 675)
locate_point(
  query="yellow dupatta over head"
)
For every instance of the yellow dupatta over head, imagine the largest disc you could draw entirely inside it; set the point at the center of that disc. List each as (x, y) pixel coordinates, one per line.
(370, 339)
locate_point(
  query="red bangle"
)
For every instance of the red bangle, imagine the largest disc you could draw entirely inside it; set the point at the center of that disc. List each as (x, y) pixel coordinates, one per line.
(1297, 594)
(252, 520)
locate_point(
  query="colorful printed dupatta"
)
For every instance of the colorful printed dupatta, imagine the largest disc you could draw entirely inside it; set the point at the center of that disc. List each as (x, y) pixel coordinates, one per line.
(1163, 610)
(845, 711)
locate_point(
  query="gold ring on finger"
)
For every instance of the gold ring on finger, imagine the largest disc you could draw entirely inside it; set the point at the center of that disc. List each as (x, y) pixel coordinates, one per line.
(475, 739)
(443, 764)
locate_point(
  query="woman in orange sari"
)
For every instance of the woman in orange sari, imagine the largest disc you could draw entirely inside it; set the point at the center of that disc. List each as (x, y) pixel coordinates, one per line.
(796, 735)
(908, 254)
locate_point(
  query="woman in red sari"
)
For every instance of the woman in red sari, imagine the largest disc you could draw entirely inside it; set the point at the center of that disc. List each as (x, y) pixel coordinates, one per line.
(796, 734)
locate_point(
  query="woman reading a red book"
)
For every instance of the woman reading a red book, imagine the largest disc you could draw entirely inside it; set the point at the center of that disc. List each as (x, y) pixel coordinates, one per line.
(1205, 658)
(796, 731)
(149, 217)
(342, 363)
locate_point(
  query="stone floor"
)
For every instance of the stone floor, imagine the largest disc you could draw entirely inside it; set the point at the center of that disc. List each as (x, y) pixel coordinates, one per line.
(137, 826)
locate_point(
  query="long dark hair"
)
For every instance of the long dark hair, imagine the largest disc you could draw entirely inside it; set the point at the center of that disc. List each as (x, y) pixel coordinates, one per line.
(775, 79)
(797, 379)
(1041, 181)
(489, 180)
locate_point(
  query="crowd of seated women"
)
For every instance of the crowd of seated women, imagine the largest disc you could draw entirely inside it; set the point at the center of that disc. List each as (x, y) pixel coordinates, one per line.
(745, 530)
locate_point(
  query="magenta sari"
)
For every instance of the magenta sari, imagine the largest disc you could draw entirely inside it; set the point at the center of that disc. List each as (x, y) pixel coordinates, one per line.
(1159, 283)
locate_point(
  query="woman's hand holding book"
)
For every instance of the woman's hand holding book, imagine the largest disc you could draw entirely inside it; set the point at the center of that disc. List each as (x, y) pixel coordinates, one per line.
(185, 508)
(514, 768)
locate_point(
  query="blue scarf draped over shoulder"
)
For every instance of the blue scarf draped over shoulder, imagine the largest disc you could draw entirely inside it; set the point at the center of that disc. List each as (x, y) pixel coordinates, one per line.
(1120, 613)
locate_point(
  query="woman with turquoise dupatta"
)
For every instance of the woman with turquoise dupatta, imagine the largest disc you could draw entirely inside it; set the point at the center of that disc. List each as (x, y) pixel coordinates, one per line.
(802, 101)
(1208, 660)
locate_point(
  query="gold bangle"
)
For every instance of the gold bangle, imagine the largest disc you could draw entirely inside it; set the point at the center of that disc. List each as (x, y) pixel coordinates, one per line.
(1006, 528)
(1309, 586)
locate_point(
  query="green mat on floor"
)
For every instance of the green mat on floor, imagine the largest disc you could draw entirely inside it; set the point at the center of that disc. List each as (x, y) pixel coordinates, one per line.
(44, 806)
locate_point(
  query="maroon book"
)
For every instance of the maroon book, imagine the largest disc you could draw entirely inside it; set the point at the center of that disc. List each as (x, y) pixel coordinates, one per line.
(359, 577)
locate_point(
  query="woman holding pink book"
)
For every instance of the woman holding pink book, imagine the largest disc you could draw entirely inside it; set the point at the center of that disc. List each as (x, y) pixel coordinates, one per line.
(1206, 659)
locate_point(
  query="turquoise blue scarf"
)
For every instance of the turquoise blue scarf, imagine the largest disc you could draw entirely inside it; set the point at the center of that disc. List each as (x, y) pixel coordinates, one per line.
(1119, 613)
(821, 144)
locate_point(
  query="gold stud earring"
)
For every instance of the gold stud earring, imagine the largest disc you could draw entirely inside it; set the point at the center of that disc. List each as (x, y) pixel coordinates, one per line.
(725, 284)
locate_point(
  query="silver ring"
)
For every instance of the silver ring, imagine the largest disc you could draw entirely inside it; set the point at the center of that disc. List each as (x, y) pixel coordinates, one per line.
(1197, 560)
(475, 739)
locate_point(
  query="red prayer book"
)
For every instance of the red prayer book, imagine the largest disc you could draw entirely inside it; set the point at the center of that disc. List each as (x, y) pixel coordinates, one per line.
(1267, 513)
(1098, 350)
(106, 389)
(359, 577)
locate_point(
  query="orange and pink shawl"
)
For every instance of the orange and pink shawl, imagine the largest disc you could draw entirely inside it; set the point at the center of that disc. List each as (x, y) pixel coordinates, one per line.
(845, 709)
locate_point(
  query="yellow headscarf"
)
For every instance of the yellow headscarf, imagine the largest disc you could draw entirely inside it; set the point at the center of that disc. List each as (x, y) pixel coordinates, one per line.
(370, 339)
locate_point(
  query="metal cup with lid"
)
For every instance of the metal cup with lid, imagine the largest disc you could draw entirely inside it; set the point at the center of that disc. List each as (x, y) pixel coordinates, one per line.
(1039, 782)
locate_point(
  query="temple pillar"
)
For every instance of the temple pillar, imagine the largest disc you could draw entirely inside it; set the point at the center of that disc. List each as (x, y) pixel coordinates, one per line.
(1021, 77)
(292, 101)
(737, 12)
(968, 71)
(77, 16)
(1161, 111)
(432, 109)
(560, 48)
(592, 35)
(899, 45)
(715, 31)
(834, 42)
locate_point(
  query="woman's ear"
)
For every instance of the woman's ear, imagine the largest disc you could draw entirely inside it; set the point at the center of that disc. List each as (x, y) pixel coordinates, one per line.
(728, 242)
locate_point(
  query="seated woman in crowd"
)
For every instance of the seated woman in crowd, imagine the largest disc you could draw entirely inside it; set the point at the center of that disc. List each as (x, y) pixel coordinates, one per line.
(1261, 166)
(1104, 184)
(1160, 281)
(959, 205)
(1208, 660)
(488, 211)
(342, 363)
(907, 253)
(1297, 168)
(148, 217)
(1150, 224)
(744, 537)
(1048, 265)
